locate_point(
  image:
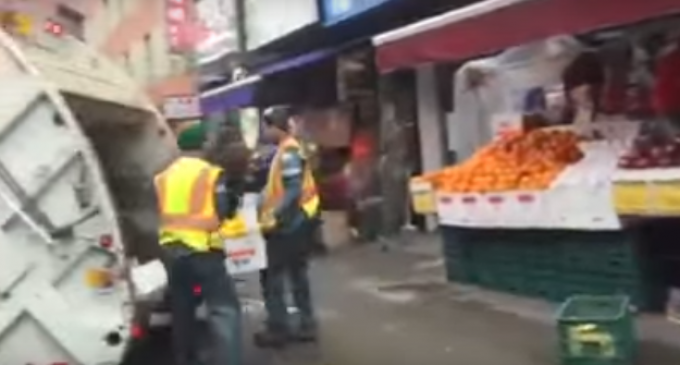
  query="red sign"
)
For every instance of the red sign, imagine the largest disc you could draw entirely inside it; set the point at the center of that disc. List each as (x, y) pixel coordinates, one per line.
(176, 16)
(183, 32)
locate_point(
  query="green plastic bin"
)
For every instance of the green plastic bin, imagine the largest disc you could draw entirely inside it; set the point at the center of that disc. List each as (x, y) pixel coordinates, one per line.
(597, 330)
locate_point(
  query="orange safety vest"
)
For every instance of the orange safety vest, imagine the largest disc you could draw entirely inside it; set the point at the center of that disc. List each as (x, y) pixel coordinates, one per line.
(274, 191)
(186, 203)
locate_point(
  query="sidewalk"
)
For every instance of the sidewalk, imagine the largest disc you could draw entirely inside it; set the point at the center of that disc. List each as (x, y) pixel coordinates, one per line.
(393, 307)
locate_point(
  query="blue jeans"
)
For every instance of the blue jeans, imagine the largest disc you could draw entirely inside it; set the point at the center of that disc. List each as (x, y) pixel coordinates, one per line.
(294, 266)
(188, 272)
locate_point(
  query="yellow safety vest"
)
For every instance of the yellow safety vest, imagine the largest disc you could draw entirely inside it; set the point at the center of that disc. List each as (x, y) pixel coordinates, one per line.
(274, 191)
(186, 203)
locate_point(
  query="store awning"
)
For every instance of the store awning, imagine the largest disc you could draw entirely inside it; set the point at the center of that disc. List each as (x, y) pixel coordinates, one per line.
(235, 95)
(298, 61)
(493, 25)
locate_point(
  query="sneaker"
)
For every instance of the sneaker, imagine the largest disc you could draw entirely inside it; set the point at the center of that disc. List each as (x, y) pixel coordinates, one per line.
(269, 339)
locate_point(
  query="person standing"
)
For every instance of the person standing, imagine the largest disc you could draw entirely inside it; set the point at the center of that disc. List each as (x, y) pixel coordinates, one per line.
(291, 199)
(197, 195)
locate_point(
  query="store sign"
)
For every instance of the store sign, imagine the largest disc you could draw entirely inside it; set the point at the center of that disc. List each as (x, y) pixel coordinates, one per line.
(176, 18)
(182, 107)
(183, 33)
(218, 18)
(335, 11)
(268, 20)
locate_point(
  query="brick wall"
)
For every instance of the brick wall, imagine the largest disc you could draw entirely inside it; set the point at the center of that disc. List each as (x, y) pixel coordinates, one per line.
(145, 17)
(126, 37)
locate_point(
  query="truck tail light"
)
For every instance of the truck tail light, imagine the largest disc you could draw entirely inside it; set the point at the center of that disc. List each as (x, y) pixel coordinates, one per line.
(106, 241)
(54, 28)
(136, 331)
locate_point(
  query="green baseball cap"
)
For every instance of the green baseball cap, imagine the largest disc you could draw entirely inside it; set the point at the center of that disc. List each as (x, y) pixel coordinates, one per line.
(192, 137)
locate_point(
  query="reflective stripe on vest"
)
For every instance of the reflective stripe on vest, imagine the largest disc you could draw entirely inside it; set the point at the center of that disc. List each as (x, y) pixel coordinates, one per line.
(186, 203)
(274, 191)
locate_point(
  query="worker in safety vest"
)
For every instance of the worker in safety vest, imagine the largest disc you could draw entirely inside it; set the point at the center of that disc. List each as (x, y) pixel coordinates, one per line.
(290, 200)
(198, 203)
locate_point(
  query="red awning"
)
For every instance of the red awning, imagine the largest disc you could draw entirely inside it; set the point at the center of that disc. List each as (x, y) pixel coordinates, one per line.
(494, 25)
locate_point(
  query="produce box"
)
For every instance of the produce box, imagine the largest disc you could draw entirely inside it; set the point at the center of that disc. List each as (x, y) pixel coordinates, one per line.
(647, 181)
(596, 330)
(647, 193)
(632, 198)
(551, 265)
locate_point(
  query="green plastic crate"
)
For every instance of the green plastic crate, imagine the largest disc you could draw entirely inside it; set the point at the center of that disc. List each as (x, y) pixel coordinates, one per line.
(596, 330)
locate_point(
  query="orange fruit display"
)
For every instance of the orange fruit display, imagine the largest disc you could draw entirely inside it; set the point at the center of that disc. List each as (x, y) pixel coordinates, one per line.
(518, 161)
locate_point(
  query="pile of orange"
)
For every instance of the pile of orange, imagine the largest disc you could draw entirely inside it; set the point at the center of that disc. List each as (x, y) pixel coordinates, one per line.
(518, 161)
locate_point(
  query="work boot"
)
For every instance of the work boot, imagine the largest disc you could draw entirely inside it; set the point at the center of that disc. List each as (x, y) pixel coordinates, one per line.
(270, 339)
(306, 334)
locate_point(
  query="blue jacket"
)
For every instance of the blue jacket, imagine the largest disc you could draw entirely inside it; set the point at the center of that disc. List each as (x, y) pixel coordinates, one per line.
(289, 213)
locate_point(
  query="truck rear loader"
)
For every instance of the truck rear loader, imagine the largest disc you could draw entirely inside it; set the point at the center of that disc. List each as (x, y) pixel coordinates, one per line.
(79, 146)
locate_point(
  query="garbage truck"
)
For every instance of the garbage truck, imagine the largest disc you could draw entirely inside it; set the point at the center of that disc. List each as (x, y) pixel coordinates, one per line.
(79, 146)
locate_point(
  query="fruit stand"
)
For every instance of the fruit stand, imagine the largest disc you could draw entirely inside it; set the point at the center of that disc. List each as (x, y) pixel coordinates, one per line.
(579, 201)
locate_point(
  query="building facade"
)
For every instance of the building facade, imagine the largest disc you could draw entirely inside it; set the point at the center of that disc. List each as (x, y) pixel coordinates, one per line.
(134, 33)
(30, 17)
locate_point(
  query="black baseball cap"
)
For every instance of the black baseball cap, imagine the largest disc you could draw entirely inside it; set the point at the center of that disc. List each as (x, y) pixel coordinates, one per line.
(278, 116)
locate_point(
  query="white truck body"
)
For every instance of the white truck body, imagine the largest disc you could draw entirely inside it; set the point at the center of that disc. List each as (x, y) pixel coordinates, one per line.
(79, 145)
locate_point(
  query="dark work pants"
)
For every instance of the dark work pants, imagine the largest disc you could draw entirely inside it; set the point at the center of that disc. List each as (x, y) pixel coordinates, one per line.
(187, 272)
(288, 255)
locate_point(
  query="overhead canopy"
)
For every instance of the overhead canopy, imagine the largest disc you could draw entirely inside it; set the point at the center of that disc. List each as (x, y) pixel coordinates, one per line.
(299, 61)
(243, 93)
(235, 95)
(493, 25)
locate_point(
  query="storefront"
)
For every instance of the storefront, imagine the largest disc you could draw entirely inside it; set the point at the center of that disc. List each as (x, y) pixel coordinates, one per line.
(567, 129)
(381, 157)
(241, 28)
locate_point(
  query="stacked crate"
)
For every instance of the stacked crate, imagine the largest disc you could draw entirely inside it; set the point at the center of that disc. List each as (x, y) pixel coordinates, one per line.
(552, 265)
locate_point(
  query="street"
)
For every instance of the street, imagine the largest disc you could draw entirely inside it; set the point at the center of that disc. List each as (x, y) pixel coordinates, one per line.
(393, 307)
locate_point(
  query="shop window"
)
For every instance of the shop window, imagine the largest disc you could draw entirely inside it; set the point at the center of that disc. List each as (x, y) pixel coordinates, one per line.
(149, 61)
(127, 63)
(72, 20)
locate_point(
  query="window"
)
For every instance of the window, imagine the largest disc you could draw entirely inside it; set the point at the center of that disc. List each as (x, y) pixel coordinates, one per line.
(149, 61)
(72, 21)
(127, 63)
